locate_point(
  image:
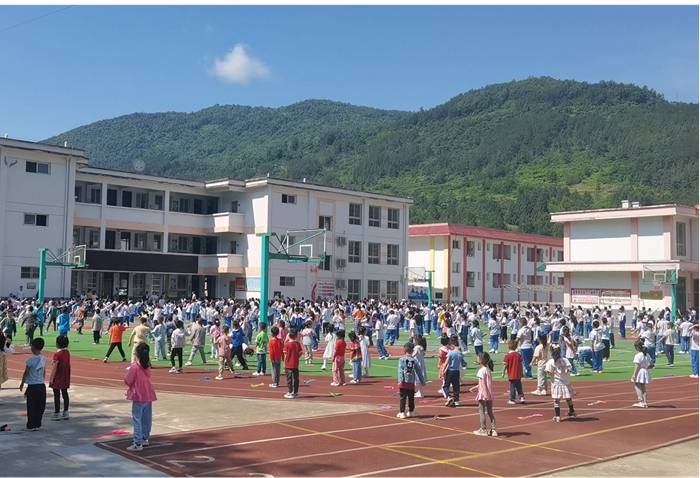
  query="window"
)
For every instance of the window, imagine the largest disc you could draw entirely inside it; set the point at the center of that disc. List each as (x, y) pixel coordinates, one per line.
(29, 273)
(454, 291)
(197, 206)
(93, 238)
(183, 282)
(355, 251)
(78, 194)
(535, 280)
(326, 264)
(35, 167)
(534, 255)
(373, 289)
(286, 281)
(438, 295)
(373, 252)
(392, 254)
(139, 283)
(680, 239)
(157, 242)
(470, 248)
(470, 279)
(560, 281)
(95, 195)
(158, 202)
(234, 206)
(111, 197)
(140, 241)
(455, 243)
(355, 214)
(478, 276)
(289, 199)
(375, 216)
(126, 198)
(36, 220)
(354, 289)
(91, 280)
(455, 267)
(499, 280)
(392, 289)
(560, 256)
(233, 247)
(183, 244)
(325, 222)
(393, 218)
(141, 200)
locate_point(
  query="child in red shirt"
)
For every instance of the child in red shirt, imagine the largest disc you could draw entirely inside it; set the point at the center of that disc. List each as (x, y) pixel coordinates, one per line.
(292, 352)
(513, 364)
(339, 359)
(59, 380)
(275, 349)
(355, 357)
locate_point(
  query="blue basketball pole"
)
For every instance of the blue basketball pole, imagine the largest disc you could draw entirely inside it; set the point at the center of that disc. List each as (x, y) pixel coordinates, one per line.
(264, 276)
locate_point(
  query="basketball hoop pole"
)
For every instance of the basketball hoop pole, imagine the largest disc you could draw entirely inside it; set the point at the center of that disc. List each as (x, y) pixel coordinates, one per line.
(264, 275)
(429, 279)
(42, 274)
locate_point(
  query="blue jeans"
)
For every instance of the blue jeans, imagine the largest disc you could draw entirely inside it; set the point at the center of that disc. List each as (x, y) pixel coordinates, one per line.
(572, 362)
(555, 336)
(427, 326)
(390, 337)
(622, 329)
(262, 363)
(652, 353)
(452, 379)
(685, 344)
(419, 329)
(493, 342)
(142, 418)
(381, 350)
(526, 355)
(357, 370)
(694, 362)
(585, 357)
(597, 360)
(478, 350)
(435, 324)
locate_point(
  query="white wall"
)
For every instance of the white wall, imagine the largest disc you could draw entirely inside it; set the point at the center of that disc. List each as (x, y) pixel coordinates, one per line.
(650, 238)
(605, 240)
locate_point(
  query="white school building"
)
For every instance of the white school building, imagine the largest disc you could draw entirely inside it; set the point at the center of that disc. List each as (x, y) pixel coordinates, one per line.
(618, 256)
(149, 234)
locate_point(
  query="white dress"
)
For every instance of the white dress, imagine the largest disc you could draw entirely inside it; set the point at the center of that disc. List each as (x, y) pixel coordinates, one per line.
(561, 387)
(644, 362)
(329, 351)
(364, 348)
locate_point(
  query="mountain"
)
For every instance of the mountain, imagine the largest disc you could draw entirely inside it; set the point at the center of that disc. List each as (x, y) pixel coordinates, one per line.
(505, 155)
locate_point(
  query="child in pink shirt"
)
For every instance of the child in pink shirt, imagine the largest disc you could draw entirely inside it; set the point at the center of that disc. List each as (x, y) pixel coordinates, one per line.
(223, 349)
(484, 395)
(142, 394)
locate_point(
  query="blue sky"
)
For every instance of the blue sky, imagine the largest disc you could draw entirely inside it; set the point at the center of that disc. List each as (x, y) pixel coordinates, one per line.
(84, 64)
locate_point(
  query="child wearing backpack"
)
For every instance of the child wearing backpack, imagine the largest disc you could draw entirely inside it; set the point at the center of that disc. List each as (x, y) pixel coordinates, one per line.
(409, 372)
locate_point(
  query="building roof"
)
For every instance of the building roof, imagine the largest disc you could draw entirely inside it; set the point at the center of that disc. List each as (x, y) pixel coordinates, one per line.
(625, 212)
(44, 147)
(444, 229)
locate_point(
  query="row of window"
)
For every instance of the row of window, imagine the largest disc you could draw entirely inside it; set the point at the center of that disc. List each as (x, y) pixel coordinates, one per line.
(354, 287)
(374, 251)
(505, 251)
(498, 279)
(374, 217)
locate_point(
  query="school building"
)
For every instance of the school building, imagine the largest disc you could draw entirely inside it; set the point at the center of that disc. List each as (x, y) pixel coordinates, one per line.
(148, 234)
(479, 264)
(623, 256)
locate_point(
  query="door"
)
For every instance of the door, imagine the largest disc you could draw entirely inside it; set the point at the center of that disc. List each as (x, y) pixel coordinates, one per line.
(125, 241)
(108, 284)
(123, 289)
(681, 297)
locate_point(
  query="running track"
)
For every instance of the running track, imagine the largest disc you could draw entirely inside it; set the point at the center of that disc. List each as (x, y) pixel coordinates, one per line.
(438, 442)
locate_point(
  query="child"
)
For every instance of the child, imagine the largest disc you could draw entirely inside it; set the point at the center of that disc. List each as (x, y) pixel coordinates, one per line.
(339, 359)
(292, 353)
(513, 364)
(364, 349)
(419, 355)
(485, 396)
(558, 369)
(477, 339)
(223, 352)
(275, 349)
(694, 350)
(59, 380)
(177, 339)
(494, 334)
(116, 330)
(442, 362)
(237, 341)
(597, 346)
(606, 331)
(96, 327)
(641, 376)
(570, 349)
(141, 394)
(539, 359)
(261, 341)
(307, 340)
(33, 376)
(408, 374)
(453, 371)
(214, 333)
(3, 360)
(328, 352)
(355, 357)
(159, 339)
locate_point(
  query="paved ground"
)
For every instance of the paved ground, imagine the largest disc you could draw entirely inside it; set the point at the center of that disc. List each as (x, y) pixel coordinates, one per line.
(65, 448)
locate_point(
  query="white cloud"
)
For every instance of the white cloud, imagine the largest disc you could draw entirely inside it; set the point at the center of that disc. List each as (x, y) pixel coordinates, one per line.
(239, 67)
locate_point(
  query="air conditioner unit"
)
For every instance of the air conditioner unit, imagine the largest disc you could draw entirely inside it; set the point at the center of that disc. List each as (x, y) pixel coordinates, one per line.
(341, 284)
(340, 263)
(341, 241)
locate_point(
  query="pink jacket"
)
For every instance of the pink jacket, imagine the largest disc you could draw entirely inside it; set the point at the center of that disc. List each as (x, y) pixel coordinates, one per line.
(138, 380)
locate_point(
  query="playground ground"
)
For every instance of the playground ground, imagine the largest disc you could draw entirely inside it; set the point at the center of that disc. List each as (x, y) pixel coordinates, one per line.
(238, 427)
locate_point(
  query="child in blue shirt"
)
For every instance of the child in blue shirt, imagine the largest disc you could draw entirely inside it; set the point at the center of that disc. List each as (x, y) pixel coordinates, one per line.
(409, 372)
(453, 370)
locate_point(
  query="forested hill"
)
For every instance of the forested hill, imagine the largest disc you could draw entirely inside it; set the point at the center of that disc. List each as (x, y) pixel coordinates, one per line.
(502, 156)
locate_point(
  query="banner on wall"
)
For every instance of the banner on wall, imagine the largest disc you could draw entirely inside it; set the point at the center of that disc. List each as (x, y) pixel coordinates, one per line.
(652, 295)
(324, 289)
(616, 297)
(585, 296)
(240, 284)
(418, 293)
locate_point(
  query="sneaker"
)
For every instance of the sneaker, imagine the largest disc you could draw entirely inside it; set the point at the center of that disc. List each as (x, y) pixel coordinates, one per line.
(105, 360)
(493, 433)
(219, 377)
(179, 370)
(638, 405)
(134, 447)
(323, 367)
(556, 419)
(273, 385)
(255, 374)
(522, 399)
(335, 384)
(401, 415)
(511, 402)
(56, 417)
(456, 404)
(481, 433)
(288, 395)
(353, 381)
(670, 365)
(172, 370)
(571, 415)
(409, 414)
(187, 364)
(693, 376)
(536, 392)
(450, 402)
(418, 395)
(65, 416)
(145, 443)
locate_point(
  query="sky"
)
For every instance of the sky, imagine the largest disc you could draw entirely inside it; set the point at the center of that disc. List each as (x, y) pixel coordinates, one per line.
(65, 67)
